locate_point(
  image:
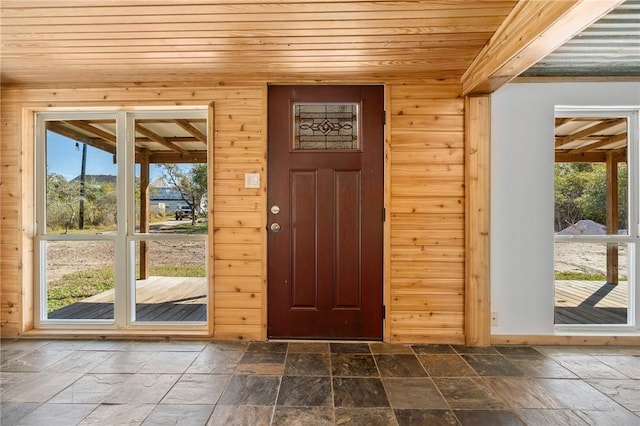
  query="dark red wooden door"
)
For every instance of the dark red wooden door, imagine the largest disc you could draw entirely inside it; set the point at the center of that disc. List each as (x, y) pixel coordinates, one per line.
(325, 202)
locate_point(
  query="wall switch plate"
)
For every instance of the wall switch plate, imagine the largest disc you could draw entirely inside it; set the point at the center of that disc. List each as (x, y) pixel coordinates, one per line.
(494, 318)
(252, 180)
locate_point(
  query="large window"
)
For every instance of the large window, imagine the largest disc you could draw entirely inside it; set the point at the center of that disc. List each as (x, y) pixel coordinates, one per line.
(596, 217)
(122, 219)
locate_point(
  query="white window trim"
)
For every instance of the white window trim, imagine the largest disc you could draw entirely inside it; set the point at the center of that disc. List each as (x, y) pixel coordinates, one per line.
(124, 261)
(632, 239)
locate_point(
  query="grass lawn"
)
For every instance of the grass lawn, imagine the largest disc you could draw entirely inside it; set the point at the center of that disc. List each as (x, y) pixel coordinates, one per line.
(188, 228)
(581, 276)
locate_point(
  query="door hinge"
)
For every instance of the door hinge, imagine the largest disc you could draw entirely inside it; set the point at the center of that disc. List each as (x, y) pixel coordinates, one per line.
(384, 118)
(384, 214)
(384, 312)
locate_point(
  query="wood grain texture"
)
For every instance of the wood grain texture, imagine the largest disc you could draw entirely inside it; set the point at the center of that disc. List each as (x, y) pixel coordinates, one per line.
(533, 30)
(237, 238)
(70, 41)
(425, 216)
(427, 222)
(477, 284)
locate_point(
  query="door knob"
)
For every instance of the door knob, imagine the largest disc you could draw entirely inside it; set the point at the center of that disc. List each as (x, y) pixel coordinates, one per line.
(275, 227)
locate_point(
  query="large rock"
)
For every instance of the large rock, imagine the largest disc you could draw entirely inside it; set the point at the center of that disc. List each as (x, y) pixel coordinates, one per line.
(584, 227)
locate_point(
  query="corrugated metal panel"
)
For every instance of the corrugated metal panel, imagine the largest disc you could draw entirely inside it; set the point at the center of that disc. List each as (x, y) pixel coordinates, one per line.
(609, 47)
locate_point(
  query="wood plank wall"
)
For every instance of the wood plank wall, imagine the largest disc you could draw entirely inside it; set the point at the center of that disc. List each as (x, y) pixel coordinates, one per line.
(240, 147)
(427, 213)
(425, 244)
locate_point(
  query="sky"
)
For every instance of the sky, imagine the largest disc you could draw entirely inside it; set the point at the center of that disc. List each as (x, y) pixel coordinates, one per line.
(64, 158)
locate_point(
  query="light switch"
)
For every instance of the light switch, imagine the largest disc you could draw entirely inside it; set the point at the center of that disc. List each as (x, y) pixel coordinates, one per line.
(252, 180)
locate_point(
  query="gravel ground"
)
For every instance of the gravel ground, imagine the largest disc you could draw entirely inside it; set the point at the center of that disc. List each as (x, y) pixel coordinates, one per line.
(587, 257)
(64, 257)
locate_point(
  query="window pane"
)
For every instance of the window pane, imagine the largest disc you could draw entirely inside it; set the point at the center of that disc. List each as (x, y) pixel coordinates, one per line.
(79, 279)
(171, 283)
(325, 126)
(170, 198)
(591, 176)
(171, 177)
(81, 176)
(177, 200)
(591, 283)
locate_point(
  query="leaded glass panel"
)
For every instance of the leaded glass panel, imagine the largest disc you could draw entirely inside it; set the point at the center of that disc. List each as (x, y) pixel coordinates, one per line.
(325, 126)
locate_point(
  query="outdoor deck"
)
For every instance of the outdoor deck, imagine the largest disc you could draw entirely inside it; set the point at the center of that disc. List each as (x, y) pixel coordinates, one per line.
(157, 299)
(590, 302)
(184, 299)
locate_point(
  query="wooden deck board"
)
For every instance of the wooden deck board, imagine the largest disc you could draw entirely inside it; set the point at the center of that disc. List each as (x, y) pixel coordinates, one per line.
(144, 312)
(181, 299)
(158, 299)
(84, 310)
(590, 302)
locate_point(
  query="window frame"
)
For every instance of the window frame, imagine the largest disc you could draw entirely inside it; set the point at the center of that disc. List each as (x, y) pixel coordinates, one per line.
(632, 239)
(125, 236)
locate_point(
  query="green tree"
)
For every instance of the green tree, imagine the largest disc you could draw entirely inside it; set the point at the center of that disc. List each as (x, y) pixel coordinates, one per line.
(581, 193)
(62, 198)
(102, 204)
(191, 184)
(593, 200)
(569, 186)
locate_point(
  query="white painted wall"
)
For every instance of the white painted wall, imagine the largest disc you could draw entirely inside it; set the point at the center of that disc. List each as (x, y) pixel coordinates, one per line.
(522, 158)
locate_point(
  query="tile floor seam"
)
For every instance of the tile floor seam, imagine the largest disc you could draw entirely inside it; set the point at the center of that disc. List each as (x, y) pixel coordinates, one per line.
(275, 404)
(611, 399)
(97, 405)
(333, 392)
(459, 355)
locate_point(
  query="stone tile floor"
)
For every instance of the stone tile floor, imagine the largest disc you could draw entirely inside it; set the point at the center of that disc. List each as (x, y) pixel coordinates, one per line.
(90, 382)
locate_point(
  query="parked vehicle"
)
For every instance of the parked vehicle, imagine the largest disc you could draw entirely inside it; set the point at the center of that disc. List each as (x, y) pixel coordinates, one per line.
(185, 212)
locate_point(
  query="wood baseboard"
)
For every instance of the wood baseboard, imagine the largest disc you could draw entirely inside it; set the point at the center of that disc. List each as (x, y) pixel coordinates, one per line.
(633, 340)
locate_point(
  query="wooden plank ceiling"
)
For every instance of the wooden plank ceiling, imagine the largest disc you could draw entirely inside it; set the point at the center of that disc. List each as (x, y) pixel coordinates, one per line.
(111, 41)
(583, 139)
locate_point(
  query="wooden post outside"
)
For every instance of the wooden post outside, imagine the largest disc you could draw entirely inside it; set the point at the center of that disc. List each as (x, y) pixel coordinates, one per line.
(144, 213)
(477, 219)
(612, 217)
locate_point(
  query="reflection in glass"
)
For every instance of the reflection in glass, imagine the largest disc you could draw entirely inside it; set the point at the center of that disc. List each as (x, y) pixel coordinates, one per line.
(591, 283)
(80, 279)
(171, 284)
